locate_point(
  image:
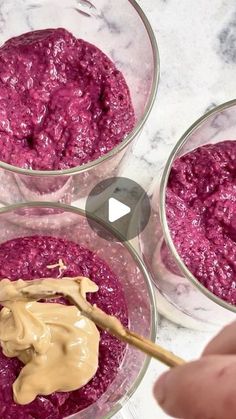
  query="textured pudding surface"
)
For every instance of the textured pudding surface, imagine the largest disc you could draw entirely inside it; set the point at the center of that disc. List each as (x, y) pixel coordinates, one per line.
(63, 103)
(28, 258)
(201, 213)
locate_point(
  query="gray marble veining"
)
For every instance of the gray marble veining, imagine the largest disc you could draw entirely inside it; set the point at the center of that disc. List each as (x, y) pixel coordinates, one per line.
(196, 43)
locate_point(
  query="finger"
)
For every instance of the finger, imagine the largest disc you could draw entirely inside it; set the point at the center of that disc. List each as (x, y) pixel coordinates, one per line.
(223, 343)
(204, 389)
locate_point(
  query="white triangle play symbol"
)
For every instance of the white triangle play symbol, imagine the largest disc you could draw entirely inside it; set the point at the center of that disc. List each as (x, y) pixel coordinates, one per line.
(116, 210)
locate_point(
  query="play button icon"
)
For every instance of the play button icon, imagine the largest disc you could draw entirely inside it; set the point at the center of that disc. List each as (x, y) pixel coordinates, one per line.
(117, 210)
(120, 204)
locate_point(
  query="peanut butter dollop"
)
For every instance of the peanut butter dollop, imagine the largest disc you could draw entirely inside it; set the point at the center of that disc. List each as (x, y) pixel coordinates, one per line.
(57, 344)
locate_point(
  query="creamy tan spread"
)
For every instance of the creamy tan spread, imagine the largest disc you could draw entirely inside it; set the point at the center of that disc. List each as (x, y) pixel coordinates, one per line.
(57, 344)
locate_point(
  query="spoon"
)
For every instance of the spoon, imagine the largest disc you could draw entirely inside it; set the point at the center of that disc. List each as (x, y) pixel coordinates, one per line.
(37, 291)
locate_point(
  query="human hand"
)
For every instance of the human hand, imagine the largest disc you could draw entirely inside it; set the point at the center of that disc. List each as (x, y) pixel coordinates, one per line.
(203, 389)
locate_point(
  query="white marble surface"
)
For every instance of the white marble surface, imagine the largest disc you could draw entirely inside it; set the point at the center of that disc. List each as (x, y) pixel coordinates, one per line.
(197, 45)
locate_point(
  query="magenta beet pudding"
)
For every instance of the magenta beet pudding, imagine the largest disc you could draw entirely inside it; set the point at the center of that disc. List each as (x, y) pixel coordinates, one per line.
(63, 103)
(34, 257)
(201, 214)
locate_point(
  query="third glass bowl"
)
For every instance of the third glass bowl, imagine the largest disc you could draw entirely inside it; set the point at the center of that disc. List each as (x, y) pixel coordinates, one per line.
(41, 219)
(180, 296)
(122, 31)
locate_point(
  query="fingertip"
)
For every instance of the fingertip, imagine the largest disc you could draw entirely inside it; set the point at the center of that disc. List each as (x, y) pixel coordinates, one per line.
(159, 389)
(207, 350)
(223, 343)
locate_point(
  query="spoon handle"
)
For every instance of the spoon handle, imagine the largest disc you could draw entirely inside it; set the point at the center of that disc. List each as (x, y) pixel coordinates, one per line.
(152, 349)
(114, 327)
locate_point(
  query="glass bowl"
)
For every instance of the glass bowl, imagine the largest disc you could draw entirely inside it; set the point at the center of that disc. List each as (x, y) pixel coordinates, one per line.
(123, 32)
(17, 220)
(180, 296)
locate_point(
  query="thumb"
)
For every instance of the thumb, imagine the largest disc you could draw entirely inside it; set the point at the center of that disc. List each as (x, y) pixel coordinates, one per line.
(203, 389)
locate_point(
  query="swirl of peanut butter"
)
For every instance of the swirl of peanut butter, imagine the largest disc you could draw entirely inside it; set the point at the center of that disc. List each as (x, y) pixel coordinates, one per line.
(57, 344)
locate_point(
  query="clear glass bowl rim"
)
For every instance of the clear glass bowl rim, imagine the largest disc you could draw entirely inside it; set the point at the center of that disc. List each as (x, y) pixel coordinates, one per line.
(130, 137)
(138, 261)
(162, 206)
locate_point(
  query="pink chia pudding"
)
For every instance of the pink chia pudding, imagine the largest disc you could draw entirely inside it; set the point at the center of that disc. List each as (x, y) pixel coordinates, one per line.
(28, 258)
(201, 213)
(63, 103)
